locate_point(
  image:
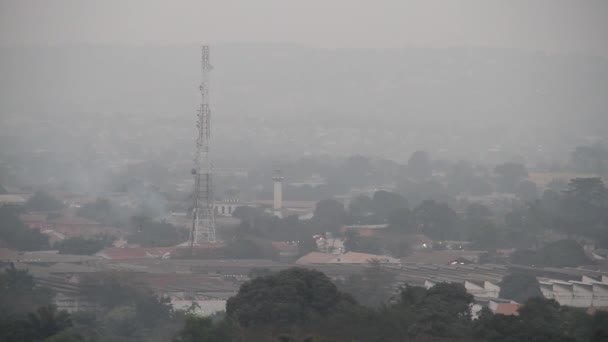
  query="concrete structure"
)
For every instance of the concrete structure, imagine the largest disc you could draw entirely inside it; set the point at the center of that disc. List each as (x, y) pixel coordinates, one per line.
(226, 207)
(583, 294)
(444, 257)
(277, 205)
(12, 200)
(346, 258)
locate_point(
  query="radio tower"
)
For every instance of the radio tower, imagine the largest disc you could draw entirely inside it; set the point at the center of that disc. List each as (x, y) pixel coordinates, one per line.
(203, 218)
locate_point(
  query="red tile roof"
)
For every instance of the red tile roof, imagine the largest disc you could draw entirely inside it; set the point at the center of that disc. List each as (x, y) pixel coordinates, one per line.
(315, 258)
(8, 254)
(508, 309)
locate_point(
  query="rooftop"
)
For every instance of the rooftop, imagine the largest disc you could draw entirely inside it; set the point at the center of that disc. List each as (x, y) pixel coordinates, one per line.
(442, 257)
(507, 309)
(315, 258)
(136, 252)
(73, 221)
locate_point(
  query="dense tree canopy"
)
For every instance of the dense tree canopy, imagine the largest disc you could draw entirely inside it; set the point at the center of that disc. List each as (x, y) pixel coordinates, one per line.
(83, 246)
(43, 201)
(419, 165)
(150, 233)
(509, 175)
(17, 235)
(519, 287)
(288, 297)
(330, 215)
(562, 253)
(436, 220)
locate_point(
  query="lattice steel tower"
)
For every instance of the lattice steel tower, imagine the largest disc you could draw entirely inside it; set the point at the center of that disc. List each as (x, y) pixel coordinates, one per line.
(203, 218)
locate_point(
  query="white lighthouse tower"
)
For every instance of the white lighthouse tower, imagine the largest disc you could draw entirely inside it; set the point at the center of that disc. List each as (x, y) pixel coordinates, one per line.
(277, 206)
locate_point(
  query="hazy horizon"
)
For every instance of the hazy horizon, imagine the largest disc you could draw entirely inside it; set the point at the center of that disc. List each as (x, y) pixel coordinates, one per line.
(548, 25)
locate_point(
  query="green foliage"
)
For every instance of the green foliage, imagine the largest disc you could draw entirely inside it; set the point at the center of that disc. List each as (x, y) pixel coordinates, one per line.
(286, 298)
(484, 234)
(119, 295)
(539, 320)
(509, 175)
(385, 202)
(65, 336)
(476, 211)
(104, 212)
(592, 159)
(361, 206)
(353, 242)
(419, 165)
(82, 246)
(372, 287)
(19, 294)
(401, 219)
(151, 233)
(519, 287)
(442, 310)
(17, 235)
(562, 253)
(42, 201)
(330, 215)
(245, 248)
(47, 321)
(247, 213)
(436, 220)
(303, 305)
(198, 329)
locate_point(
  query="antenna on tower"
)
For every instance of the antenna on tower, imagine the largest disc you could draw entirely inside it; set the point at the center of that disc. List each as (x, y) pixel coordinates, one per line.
(203, 213)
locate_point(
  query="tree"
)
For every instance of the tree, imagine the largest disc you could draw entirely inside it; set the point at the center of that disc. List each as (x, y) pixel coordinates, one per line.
(361, 206)
(419, 165)
(19, 293)
(509, 175)
(81, 246)
(483, 233)
(198, 329)
(47, 321)
(401, 219)
(592, 159)
(288, 297)
(42, 201)
(476, 211)
(247, 248)
(519, 287)
(436, 220)
(16, 234)
(527, 190)
(539, 319)
(562, 253)
(330, 215)
(372, 287)
(384, 202)
(356, 171)
(113, 290)
(442, 310)
(151, 233)
(353, 242)
(100, 211)
(247, 213)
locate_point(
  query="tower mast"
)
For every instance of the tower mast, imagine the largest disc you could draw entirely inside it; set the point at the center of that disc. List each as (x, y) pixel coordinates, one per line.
(203, 218)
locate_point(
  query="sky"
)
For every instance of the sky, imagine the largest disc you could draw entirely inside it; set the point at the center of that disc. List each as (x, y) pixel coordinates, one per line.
(579, 26)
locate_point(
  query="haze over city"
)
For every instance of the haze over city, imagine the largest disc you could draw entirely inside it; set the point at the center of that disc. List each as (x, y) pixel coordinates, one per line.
(271, 170)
